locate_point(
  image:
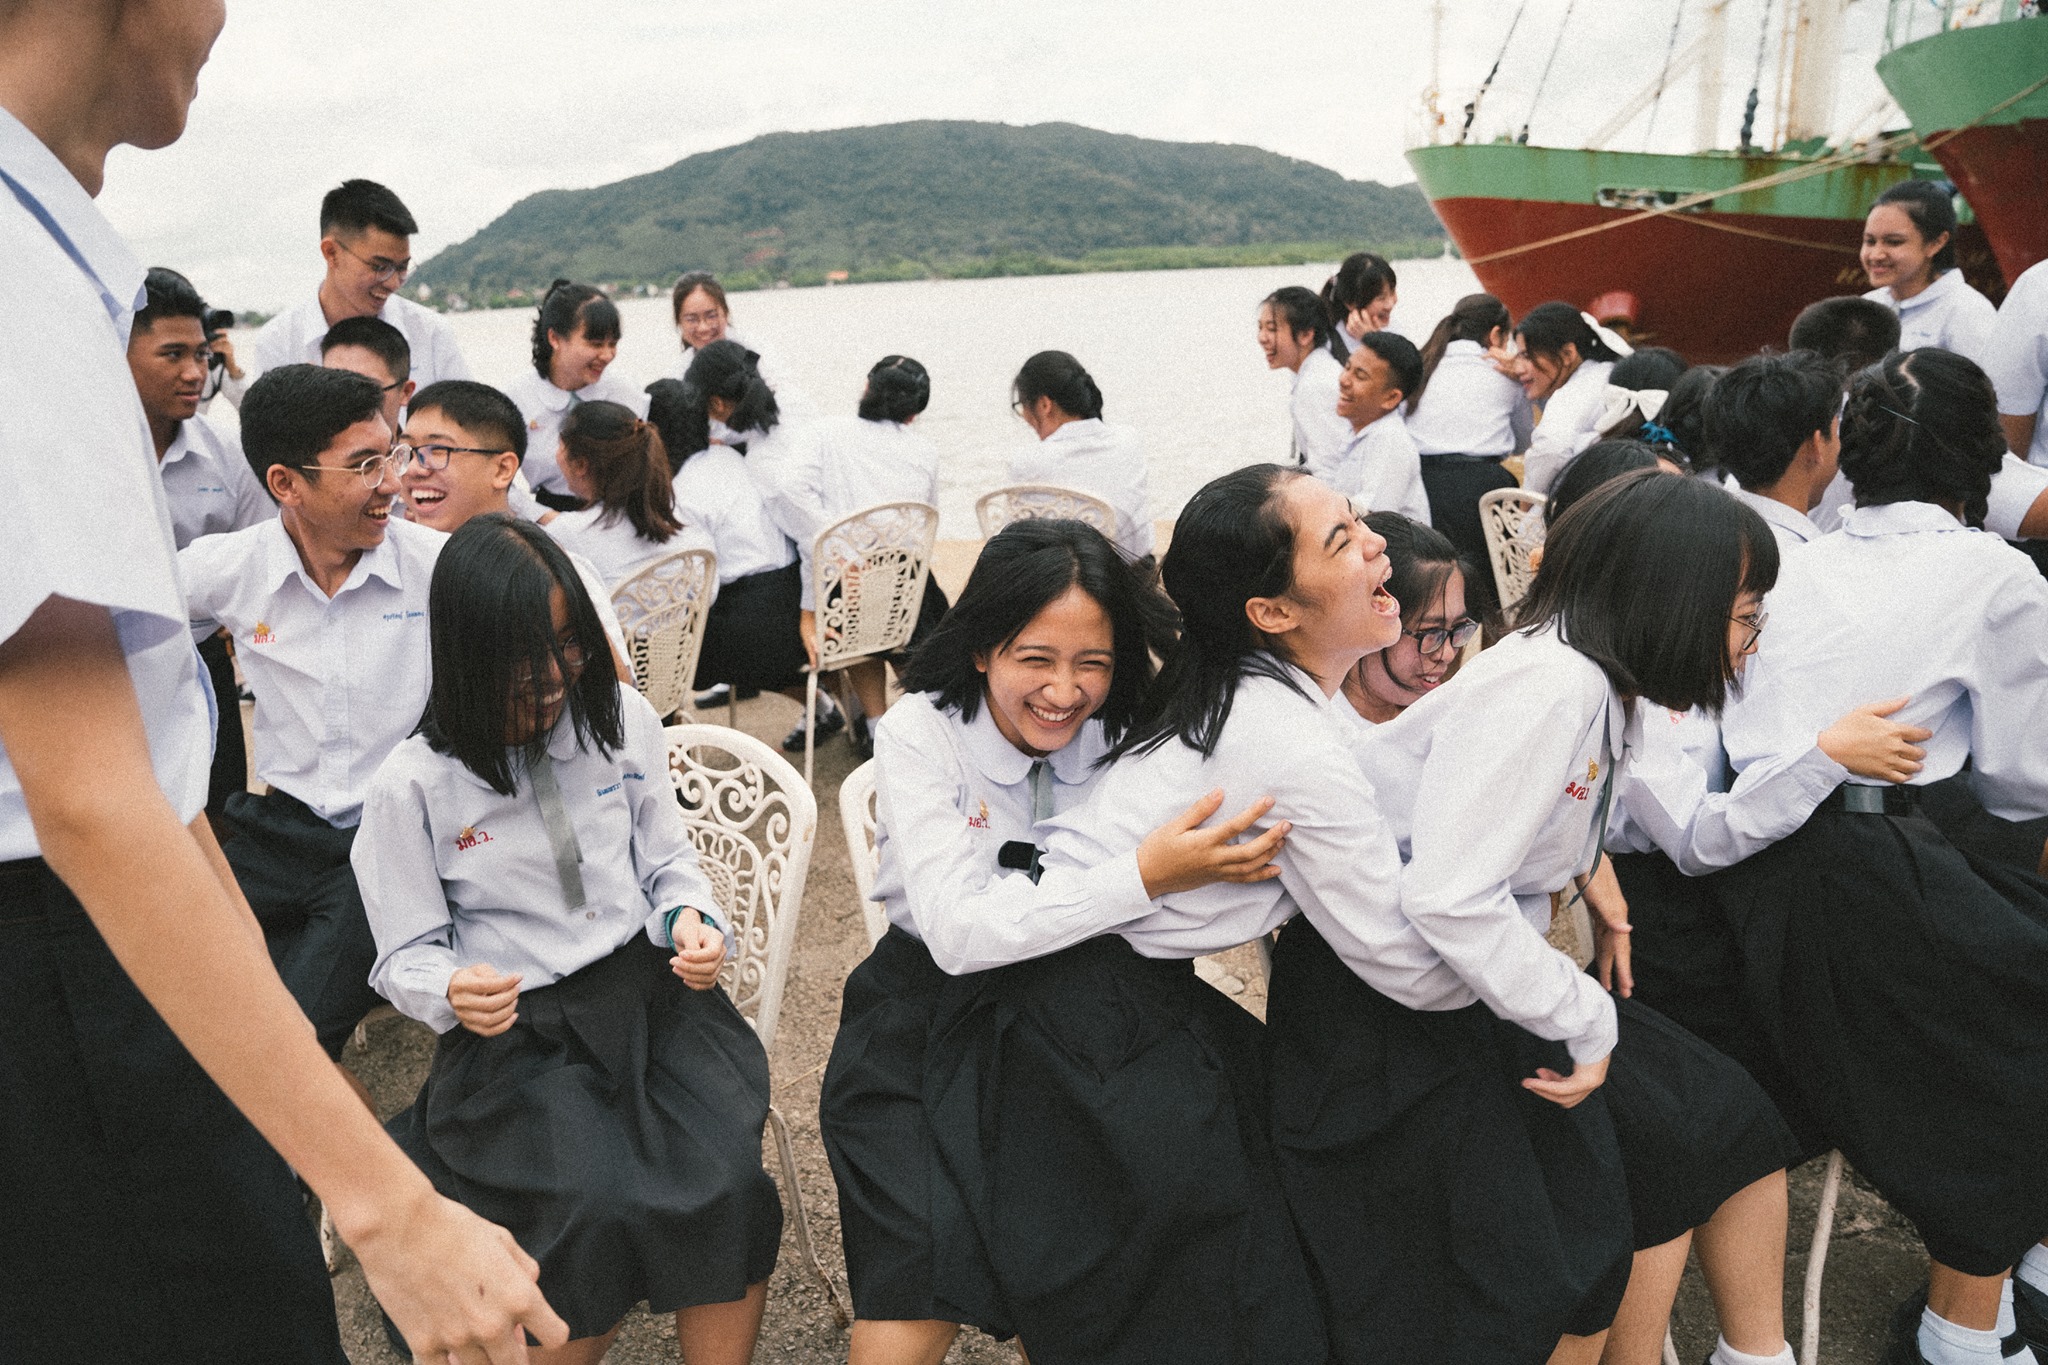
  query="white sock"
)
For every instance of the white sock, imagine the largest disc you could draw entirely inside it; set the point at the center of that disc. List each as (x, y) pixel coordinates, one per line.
(2007, 1324)
(1946, 1343)
(1724, 1354)
(2033, 1267)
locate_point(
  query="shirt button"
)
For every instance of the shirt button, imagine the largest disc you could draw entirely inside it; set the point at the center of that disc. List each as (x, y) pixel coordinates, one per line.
(590, 914)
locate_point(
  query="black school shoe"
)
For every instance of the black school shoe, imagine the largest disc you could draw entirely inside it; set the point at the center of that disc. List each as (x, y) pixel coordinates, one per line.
(830, 723)
(1904, 1348)
(2030, 1318)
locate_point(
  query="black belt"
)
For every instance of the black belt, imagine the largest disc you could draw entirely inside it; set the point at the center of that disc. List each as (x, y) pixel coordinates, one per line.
(1454, 458)
(1858, 799)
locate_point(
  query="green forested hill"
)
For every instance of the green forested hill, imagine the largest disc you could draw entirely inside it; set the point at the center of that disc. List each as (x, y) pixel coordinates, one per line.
(907, 200)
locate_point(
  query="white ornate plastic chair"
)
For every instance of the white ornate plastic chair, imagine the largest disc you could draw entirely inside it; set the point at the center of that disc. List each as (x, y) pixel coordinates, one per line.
(754, 825)
(857, 818)
(662, 609)
(1512, 519)
(868, 573)
(1025, 501)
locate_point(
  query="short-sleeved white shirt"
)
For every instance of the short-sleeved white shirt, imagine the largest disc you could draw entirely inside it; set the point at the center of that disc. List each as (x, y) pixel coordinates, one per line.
(293, 338)
(1948, 313)
(209, 484)
(88, 521)
(545, 407)
(2016, 357)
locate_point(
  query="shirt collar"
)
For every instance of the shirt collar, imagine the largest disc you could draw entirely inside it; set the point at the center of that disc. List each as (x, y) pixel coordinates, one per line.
(180, 446)
(1939, 288)
(1898, 518)
(1778, 514)
(1004, 764)
(53, 196)
(1075, 430)
(283, 561)
(553, 396)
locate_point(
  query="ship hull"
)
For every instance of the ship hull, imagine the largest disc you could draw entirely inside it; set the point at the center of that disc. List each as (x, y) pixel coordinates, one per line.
(1999, 160)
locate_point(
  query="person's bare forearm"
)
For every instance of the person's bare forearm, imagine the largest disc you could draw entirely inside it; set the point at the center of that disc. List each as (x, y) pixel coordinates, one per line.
(2019, 431)
(201, 830)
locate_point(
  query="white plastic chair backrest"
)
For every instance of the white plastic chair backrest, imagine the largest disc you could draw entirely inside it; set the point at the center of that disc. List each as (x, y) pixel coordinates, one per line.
(1025, 501)
(754, 822)
(857, 818)
(1512, 520)
(868, 573)
(662, 608)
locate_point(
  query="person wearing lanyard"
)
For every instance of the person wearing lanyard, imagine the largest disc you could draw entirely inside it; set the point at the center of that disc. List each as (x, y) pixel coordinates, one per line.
(1909, 253)
(575, 338)
(144, 1214)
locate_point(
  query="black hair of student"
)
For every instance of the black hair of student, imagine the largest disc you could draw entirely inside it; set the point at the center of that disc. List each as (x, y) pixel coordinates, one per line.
(1596, 465)
(1423, 558)
(627, 466)
(1060, 377)
(689, 284)
(355, 206)
(293, 412)
(1023, 569)
(728, 370)
(1642, 577)
(478, 409)
(376, 336)
(898, 389)
(1922, 426)
(1232, 543)
(1851, 330)
(491, 633)
(1301, 310)
(1684, 414)
(1471, 318)
(1763, 410)
(565, 308)
(1548, 327)
(1360, 279)
(682, 419)
(1931, 205)
(1647, 367)
(167, 294)
(1403, 361)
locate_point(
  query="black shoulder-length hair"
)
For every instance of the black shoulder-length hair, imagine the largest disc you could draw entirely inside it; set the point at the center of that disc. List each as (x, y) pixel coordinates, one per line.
(1022, 570)
(1232, 543)
(1641, 577)
(1922, 426)
(492, 633)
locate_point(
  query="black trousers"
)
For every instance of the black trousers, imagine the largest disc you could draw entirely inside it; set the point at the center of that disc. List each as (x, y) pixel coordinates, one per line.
(141, 1217)
(1455, 484)
(230, 751)
(293, 866)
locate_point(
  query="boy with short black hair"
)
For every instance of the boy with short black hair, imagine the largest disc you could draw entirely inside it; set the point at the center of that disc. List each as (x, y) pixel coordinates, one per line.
(373, 348)
(1774, 422)
(1376, 463)
(1851, 330)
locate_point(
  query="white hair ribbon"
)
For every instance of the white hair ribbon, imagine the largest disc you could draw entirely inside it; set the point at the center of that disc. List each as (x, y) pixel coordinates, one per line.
(1608, 335)
(1615, 402)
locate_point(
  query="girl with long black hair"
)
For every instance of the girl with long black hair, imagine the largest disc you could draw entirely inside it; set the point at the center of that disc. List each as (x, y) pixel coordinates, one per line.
(1564, 361)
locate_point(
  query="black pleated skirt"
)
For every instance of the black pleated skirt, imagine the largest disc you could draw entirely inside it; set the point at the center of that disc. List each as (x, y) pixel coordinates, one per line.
(912, 1253)
(751, 637)
(1902, 986)
(615, 1131)
(1104, 1115)
(1448, 1214)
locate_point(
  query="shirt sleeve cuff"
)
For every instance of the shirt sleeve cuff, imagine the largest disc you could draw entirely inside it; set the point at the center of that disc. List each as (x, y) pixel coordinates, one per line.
(1597, 1041)
(1118, 890)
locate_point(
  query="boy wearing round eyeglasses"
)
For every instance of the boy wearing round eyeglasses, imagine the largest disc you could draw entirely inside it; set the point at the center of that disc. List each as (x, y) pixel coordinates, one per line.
(327, 606)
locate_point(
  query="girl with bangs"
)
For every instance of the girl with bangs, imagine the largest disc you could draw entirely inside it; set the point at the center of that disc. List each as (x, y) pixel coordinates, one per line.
(535, 896)
(575, 339)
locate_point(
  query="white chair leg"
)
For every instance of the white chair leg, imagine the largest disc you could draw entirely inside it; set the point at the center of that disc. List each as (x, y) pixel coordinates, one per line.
(810, 722)
(805, 1246)
(1817, 1261)
(1670, 1349)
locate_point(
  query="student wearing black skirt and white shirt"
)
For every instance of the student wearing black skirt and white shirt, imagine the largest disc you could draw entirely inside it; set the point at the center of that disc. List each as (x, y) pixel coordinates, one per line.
(1901, 982)
(1012, 700)
(615, 462)
(534, 894)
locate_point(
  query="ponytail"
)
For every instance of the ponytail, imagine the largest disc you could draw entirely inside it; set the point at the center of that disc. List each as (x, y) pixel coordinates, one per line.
(563, 309)
(627, 466)
(681, 418)
(728, 370)
(1472, 318)
(1058, 376)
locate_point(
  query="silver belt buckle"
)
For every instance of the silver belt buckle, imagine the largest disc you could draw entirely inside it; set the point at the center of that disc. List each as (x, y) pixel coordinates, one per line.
(1862, 800)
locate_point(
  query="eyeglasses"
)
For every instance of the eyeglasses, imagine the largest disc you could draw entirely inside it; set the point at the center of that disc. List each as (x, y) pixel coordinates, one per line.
(380, 269)
(700, 319)
(1754, 625)
(371, 470)
(1431, 641)
(434, 457)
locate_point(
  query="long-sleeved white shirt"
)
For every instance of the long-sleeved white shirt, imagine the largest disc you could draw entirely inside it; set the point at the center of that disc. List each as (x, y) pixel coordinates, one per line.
(1318, 431)
(717, 492)
(615, 548)
(812, 476)
(454, 874)
(1093, 456)
(1470, 408)
(1378, 469)
(1906, 601)
(1569, 424)
(545, 407)
(293, 338)
(1492, 787)
(2016, 355)
(948, 795)
(1949, 313)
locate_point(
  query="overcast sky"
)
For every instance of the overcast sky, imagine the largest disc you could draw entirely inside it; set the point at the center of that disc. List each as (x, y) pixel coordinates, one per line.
(465, 107)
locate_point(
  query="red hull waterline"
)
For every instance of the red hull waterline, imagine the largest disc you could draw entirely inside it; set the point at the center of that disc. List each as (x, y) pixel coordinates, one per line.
(2001, 169)
(1713, 286)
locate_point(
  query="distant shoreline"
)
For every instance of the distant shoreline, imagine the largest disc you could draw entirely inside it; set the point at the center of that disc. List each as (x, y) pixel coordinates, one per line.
(1016, 265)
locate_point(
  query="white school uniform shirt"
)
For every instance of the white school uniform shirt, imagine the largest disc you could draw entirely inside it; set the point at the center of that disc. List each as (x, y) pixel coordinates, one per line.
(1095, 457)
(545, 407)
(814, 475)
(293, 338)
(1318, 431)
(1491, 785)
(716, 492)
(89, 520)
(1906, 601)
(1948, 313)
(1570, 423)
(1377, 467)
(2014, 488)
(454, 874)
(1470, 408)
(1788, 527)
(338, 682)
(790, 400)
(2016, 355)
(949, 793)
(614, 548)
(209, 484)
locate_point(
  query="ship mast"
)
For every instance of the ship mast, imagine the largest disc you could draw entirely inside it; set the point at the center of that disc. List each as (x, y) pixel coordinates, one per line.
(1707, 113)
(1816, 60)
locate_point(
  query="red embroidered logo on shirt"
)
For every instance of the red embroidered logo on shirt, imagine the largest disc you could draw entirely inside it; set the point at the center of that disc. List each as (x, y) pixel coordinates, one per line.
(471, 836)
(979, 821)
(263, 635)
(1575, 791)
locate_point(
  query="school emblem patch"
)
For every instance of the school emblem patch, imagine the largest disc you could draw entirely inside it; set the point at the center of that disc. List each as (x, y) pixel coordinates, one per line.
(1592, 771)
(471, 836)
(263, 635)
(979, 821)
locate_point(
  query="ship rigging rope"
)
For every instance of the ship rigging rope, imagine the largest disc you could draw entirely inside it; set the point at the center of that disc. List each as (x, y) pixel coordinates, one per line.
(1544, 79)
(1663, 76)
(1472, 109)
(1882, 147)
